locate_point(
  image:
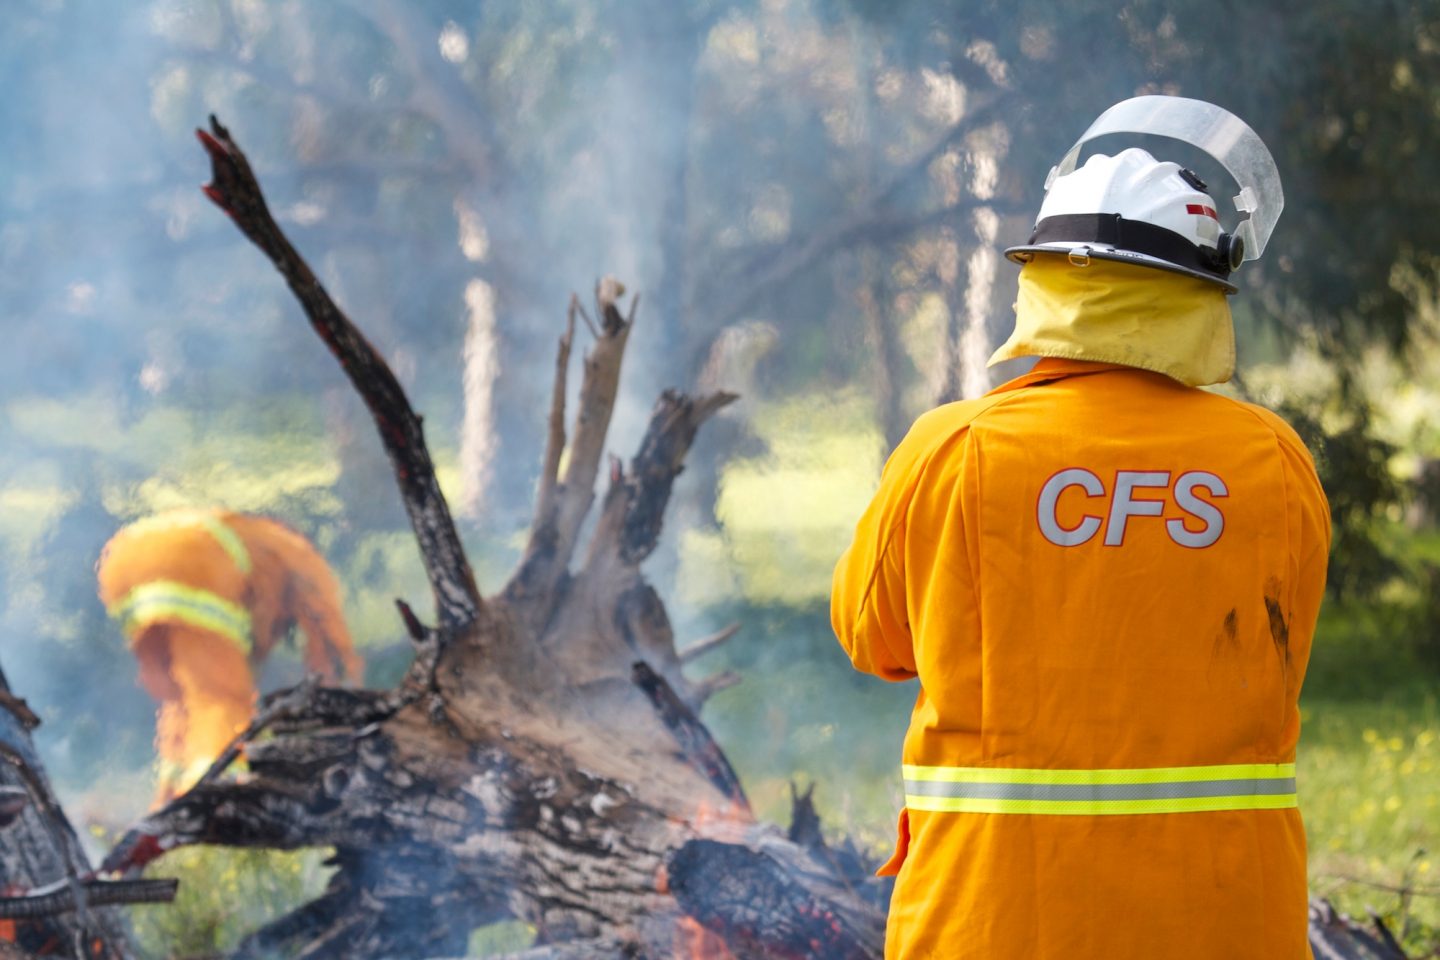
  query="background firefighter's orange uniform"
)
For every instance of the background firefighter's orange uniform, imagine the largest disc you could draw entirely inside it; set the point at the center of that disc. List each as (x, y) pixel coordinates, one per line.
(264, 575)
(1113, 654)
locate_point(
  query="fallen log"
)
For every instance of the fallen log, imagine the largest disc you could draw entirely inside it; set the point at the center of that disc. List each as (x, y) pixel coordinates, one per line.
(543, 759)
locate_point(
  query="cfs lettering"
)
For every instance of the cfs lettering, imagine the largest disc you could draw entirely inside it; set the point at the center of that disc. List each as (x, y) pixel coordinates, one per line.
(1202, 525)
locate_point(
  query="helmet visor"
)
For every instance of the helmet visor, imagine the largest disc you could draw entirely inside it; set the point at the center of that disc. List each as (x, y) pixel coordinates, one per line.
(1216, 131)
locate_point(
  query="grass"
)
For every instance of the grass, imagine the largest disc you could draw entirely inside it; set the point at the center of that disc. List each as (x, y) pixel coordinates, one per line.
(1369, 768)
(1369, 776)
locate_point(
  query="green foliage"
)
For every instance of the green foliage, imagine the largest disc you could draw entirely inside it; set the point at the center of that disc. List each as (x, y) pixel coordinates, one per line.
(224, 895)
(1369, 766)
(785, 516)
(1355, 470)
(1427, 616)
(499, 939)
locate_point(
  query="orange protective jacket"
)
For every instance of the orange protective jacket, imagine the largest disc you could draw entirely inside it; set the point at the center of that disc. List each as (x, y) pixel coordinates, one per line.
(1107, 583)
(245, 579)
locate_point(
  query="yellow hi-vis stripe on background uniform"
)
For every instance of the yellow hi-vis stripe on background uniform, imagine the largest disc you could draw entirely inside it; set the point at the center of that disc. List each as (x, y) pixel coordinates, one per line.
(228, 539)
(166, 600)
(1246, 786)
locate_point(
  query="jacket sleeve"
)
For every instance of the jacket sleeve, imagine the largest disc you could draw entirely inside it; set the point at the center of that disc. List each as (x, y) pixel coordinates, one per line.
(1313, 546)
(867, 597)
(1310, 531)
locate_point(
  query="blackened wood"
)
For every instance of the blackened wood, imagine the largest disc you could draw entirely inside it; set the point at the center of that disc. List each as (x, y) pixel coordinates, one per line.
(40, 848)
(57, 898)
(696, 744)
(804, 818)
(294, 929)
(768, 906)
(1334, 936)
(13, 801)
(673, 426)
(236, 191)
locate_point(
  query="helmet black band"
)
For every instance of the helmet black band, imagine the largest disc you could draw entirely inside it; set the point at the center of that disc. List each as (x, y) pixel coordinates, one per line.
(1136, 236)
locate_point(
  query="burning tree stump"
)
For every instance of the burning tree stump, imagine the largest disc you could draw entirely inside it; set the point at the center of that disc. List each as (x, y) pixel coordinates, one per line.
(543, 759)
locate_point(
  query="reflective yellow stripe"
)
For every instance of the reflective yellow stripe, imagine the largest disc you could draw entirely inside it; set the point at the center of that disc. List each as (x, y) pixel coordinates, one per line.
(1237, 771)
(228, 539)
(1102, 807)
(1264, 786)
(162, 600)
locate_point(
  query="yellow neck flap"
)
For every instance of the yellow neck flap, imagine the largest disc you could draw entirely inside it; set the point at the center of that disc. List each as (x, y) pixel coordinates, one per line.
(1118, 313)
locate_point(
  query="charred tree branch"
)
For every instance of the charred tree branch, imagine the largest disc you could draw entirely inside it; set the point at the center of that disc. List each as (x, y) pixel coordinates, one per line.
(260, 813)
(1334, 936)
(634, 508)
(672, 430)
(58, 898)
(236, 191)
(696, 744)
(19, 709)
(563, 503)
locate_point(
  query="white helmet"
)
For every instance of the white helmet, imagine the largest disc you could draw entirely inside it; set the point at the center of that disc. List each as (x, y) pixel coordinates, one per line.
(1136, 209)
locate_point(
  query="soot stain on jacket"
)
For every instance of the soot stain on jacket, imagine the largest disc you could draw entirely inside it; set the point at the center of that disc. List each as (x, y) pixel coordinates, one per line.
(1229, 636)
(1279, 626)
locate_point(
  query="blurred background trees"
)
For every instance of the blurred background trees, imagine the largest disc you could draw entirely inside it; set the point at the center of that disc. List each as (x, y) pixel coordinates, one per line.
(812, 197)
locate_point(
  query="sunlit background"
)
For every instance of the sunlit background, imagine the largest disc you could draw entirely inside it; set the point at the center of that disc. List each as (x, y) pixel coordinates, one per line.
(811, 196)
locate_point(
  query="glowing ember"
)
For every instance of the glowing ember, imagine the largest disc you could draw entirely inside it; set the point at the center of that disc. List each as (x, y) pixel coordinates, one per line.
(725, 822)
(694, 942)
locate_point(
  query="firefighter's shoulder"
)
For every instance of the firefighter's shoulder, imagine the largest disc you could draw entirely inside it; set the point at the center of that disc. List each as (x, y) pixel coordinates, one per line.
(1292, 448)
(937, 429)
(1285, 434)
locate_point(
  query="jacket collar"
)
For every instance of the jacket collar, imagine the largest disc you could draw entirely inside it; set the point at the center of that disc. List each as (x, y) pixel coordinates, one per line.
(1050, 369)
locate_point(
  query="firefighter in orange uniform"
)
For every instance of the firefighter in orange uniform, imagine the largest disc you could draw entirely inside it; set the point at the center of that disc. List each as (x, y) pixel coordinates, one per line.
(202, 597)
(1106, 581)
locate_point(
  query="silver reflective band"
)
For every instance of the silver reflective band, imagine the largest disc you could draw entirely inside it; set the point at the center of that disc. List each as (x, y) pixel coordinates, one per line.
(1091, 792)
